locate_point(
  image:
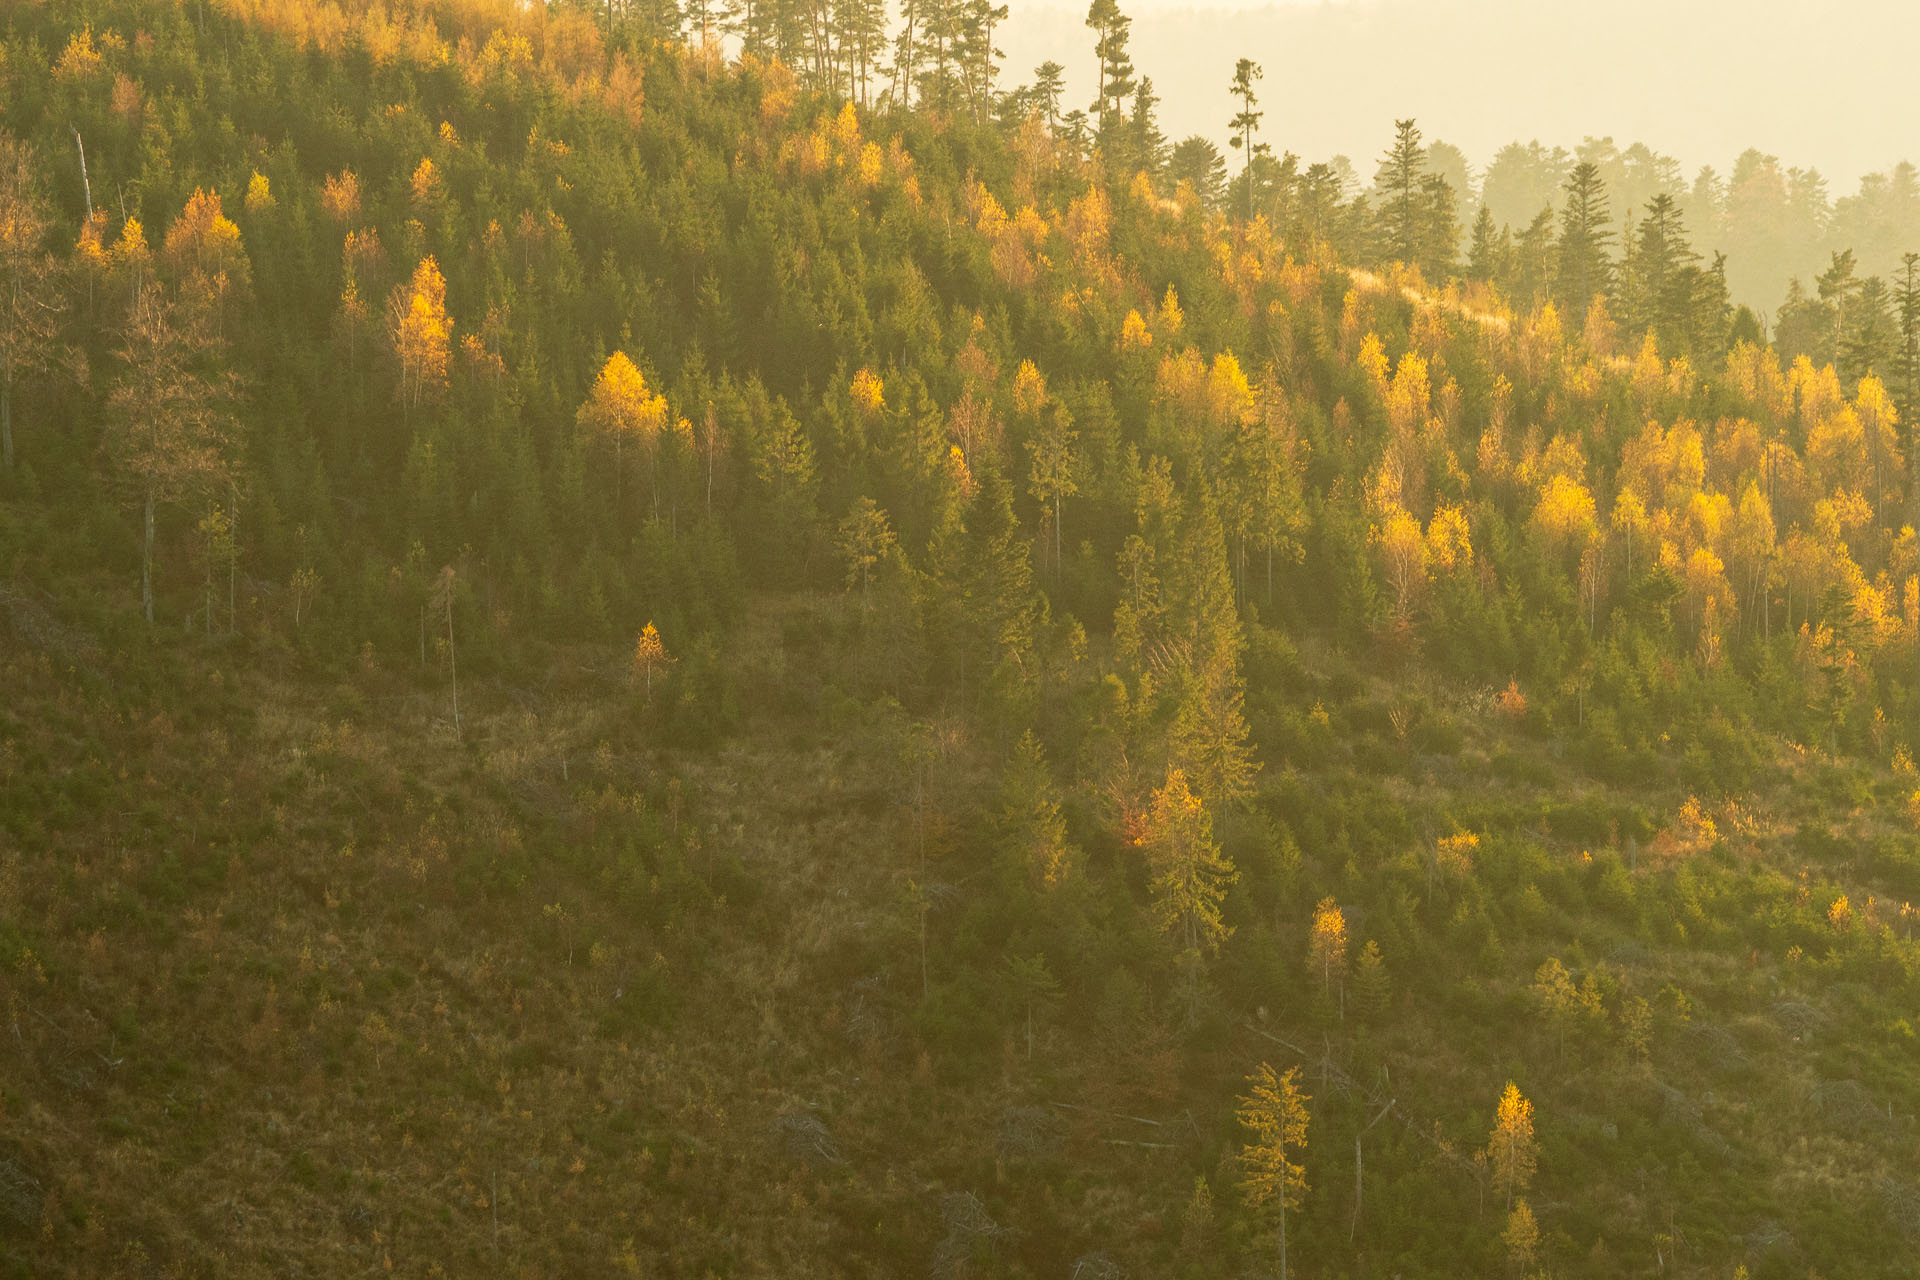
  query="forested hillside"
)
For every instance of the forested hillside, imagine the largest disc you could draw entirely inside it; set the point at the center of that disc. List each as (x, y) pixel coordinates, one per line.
(626, 654)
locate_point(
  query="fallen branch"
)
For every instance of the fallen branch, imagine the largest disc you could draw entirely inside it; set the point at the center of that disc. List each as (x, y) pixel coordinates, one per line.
(1095, 1111)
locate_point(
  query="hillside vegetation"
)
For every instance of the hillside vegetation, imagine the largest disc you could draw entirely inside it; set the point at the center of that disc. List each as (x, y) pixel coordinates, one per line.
(626, 658)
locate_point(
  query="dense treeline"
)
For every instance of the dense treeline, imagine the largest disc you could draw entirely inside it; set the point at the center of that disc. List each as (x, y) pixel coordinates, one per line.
(794, 327)
(438, 338)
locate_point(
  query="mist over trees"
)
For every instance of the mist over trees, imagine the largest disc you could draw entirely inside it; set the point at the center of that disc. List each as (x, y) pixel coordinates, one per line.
(710, 639)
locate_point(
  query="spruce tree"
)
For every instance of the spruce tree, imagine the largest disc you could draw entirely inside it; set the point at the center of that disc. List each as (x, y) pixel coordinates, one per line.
(1660, 283)
(1438, 243)
(1533, 261)
(1487, 253)
(1149, 145)
(1711, 319)
(1837, 287)
(1907, 312)
(1196, 161)
(1403, 207)
(1582, 268)
(1871, 341)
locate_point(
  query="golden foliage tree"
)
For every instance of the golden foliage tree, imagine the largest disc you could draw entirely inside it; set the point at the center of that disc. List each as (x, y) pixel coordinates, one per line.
(260, 199)
(1565, 512)
(421, 333)
(1327, 947)
(202, 248)
(869, 393)
(340, 197)
(1275, 1112)
(650, 658)
(621, 407)
(1404, 549)
(1190, 876)
(1511, 1148)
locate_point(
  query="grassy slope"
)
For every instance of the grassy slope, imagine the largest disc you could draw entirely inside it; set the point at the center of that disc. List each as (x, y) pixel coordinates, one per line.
(297, 982)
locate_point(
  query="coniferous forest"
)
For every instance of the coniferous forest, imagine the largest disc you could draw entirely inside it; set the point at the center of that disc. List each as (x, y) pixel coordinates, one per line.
(708, 639)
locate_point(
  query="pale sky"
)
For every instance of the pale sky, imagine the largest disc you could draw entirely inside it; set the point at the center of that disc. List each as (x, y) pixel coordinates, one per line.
(1831, 84)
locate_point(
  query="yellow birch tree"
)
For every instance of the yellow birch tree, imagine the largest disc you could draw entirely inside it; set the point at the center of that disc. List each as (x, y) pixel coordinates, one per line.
(1511, 1148)
(421, 333)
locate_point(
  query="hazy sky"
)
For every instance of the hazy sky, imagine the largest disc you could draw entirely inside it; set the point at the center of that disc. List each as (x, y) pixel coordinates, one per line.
(1832, 84)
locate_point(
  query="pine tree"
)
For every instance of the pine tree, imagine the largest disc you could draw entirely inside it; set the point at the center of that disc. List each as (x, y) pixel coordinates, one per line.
(440, 602)
(931, 36)
(1209, 739)
(1049, 84)
(1197, 1220)
(1836, 288)
(906, 53)
(861, 30)
(1581, 267)
(1275, 1111)
(1115, 84)
(1035, 984)
(1711, 321)
(976, 53)
(1246, 122)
